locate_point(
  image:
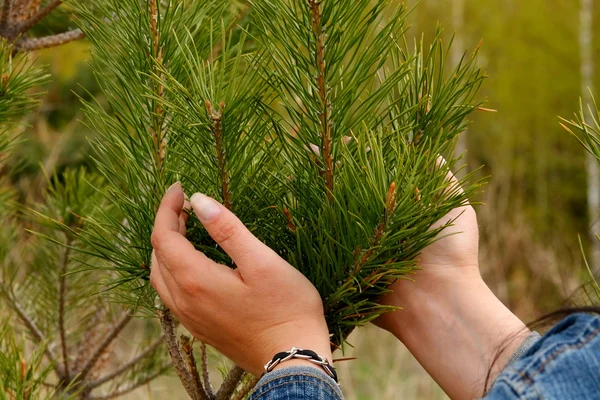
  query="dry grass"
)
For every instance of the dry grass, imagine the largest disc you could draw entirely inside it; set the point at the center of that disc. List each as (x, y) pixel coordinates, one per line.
(383, 370)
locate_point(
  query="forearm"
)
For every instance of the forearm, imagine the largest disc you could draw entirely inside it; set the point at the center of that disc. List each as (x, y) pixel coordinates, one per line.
(458, 335)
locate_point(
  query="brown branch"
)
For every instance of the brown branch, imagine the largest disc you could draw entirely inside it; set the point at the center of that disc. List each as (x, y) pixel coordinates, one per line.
(48, 41)
(5, 13)
(188, 353)
(326, 145)
(231, 382)
(131, 363)
(108, 339)
(168, 324)
(133, 387)
(390, 207)
(62, 293)
(158, 116)
(39, 337)
(241, 395)
(205, 374)
(217, 130)
(90, 335)
(38, 16)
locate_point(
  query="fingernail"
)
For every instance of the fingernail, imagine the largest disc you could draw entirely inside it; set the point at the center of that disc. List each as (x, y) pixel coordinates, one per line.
(206, 208)
(174, 185)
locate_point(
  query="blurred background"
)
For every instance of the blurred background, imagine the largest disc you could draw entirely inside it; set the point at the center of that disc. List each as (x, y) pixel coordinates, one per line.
(539, 60)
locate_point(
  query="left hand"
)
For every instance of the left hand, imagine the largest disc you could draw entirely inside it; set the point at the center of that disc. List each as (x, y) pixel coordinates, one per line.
(248, 314)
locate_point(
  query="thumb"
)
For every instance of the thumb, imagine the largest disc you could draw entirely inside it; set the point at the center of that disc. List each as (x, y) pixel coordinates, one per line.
(229, 232)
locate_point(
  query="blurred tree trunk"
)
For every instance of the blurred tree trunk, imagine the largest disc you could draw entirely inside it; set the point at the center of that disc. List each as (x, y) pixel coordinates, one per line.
(587, 87)
(457, 52)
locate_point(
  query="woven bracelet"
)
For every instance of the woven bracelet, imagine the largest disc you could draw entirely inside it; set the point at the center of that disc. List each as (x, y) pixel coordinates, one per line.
(301, 354)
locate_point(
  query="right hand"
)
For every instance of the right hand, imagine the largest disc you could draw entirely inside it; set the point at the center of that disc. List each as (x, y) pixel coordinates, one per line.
(249, 314)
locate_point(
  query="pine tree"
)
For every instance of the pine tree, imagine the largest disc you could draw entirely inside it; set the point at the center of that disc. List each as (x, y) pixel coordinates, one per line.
(314, 122)
(56, 333)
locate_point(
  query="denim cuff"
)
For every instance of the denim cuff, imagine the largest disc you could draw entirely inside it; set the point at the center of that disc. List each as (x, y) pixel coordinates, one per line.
(526, 345)
(297, 382)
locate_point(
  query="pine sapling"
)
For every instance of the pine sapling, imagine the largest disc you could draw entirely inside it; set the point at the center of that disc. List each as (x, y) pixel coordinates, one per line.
(315, 123)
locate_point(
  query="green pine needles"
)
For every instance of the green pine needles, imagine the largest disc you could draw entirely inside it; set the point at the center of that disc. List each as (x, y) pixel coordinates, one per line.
(314, 121)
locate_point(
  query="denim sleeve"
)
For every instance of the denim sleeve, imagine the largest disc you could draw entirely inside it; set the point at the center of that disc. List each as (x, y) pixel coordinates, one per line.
(563, 364)
(296, 383)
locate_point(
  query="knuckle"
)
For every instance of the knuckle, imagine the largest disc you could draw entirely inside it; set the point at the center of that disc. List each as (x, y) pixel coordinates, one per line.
(189, 287)
(226, 231)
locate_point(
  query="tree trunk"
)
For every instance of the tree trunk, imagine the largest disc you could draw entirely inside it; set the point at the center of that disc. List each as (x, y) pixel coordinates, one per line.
(592, 167)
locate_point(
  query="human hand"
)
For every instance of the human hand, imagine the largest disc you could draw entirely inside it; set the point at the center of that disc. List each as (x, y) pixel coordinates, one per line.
(249, 314)
(452, 260)
(450, 320)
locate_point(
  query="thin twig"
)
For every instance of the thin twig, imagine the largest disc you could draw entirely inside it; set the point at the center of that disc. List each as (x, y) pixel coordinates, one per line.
(168, 324)
(231, 382)
(38, 16)
(39, 337)
(133, 387)
(108, 339)
(188, 353)
(48, 41)
(241, 395)
(131, 363)
(217, 130)
(62, 293)
(83, 347)
(315, 9)
(205, 374)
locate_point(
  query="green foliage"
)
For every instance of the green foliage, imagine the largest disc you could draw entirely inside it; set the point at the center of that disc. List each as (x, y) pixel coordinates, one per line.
(133, 132)
(21, 376)
(17, 78)
(55, 304)
(585, 127)
(325, 140)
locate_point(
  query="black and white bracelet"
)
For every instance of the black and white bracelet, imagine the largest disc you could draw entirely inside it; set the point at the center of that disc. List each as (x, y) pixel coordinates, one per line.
(301, 354)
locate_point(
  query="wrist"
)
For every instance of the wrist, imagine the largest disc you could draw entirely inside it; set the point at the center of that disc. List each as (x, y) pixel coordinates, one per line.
(307, 336)
(457, 322)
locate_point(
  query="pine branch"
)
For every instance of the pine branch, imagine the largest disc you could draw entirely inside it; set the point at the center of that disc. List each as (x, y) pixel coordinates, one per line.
(62, 292)
(40, 15)
(231, 382)
(48, 41)
(184, 374)
(326, 140)
(390, 205)
(241, 395)
(205, 374)
(107, 341)
(188, 353)
(217, 130)
(131, 363)
(39, 337)
(133, 387)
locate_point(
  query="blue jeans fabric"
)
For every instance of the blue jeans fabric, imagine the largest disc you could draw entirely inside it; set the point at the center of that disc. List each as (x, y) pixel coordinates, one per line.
(564, 364)
(296, 383)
